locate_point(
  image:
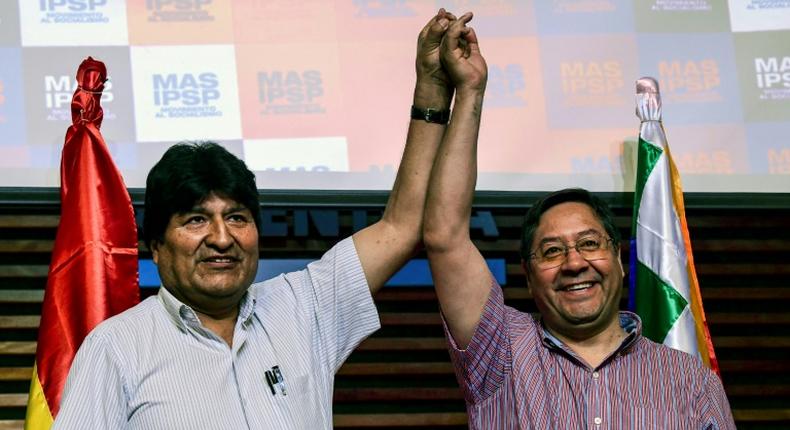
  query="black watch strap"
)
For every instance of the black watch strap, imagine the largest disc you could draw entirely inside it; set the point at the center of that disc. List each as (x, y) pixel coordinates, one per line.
(435, 116)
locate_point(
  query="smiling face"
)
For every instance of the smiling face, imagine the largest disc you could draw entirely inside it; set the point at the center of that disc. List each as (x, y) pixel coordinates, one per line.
(209, 255)
(579, 298)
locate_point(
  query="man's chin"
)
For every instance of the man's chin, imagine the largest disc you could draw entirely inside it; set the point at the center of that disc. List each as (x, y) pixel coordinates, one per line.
(583, 314)
(584, 320)
(223, 291)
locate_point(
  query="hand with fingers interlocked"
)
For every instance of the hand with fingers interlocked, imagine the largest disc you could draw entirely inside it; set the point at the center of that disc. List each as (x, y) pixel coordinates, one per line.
(428, 61)
(461, 58)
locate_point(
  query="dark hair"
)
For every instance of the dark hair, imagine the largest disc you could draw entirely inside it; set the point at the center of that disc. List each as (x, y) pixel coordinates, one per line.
(188, 173)
(580, 195)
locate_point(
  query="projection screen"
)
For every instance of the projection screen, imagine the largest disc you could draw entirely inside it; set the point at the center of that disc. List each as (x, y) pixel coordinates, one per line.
(316, 94)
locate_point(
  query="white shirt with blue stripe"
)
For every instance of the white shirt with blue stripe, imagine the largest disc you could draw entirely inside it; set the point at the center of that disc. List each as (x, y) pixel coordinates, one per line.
(155, 366)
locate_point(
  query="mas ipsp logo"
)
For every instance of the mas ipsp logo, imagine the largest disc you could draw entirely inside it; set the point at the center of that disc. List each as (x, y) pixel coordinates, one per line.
(383, 8)
(178, 10)
(58, 92)
(193, 101)
(581, 80)
(773, 77)
(73, 11)
(691, 81)
(506, 86)
(290, 92)
(186, 95)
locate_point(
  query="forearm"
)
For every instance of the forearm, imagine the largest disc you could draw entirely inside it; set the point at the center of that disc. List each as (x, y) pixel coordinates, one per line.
(461, 276)
(406, 203)
(452, 186)
(386, 245)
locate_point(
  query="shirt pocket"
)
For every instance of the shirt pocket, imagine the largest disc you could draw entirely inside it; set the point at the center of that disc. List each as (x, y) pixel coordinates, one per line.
(646, 416)
(652, 406)
(298, 387)
(303, 401)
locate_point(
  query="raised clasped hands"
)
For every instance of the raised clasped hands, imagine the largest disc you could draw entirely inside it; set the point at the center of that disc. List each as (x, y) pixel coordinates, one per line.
(434, 87)
(461, 58)
(448, 60)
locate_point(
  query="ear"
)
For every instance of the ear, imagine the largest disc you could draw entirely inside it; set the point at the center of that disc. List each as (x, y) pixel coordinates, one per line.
(620, 263)
(526, 273)
(155, 251)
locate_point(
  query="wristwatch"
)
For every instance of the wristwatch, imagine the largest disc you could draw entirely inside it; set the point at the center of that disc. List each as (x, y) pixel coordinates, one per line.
(435, 116)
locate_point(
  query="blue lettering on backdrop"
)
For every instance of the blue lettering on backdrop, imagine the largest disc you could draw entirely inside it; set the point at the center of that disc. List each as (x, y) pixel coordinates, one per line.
(416, 273)
(186, 89)
(70, 5)
(326, 223)
(72, 11)
(290, 91)
(506, 84)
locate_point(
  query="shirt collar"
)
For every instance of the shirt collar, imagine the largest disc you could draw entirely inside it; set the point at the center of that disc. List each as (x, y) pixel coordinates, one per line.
(632, 325)
(183, 316)
(629, 321)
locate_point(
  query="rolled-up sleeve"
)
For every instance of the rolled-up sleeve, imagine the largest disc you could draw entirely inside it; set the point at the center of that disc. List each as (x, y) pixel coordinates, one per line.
(344, 308)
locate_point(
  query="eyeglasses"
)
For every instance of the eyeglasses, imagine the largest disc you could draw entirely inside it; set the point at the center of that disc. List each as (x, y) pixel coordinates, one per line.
(553, 253)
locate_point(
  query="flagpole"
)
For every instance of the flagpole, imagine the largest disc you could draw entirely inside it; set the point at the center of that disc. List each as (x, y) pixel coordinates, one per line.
(93, 272)
(664, 288)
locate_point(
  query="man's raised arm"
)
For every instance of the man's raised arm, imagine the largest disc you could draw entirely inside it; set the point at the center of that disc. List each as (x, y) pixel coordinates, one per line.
(460, 274)
(386, 245)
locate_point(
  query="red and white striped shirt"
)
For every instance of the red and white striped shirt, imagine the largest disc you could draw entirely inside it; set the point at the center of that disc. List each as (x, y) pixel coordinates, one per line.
(516, 375)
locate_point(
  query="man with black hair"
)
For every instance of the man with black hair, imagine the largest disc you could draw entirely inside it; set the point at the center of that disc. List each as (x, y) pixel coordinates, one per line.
(210, 351)
(581, 364)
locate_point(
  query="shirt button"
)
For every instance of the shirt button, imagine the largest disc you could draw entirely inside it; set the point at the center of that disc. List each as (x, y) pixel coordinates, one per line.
(597, 420)
(595, 375)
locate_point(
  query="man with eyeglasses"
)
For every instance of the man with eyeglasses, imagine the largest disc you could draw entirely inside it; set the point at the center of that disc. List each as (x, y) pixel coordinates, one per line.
(581, 364)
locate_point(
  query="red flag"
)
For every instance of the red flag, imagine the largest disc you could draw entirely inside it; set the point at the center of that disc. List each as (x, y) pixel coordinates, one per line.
(93, 272)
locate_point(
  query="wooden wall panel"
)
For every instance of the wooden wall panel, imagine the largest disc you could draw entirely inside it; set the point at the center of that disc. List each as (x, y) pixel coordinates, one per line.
(401, 377)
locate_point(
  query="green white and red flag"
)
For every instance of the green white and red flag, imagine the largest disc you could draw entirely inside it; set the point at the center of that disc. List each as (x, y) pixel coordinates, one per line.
(664, 290)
